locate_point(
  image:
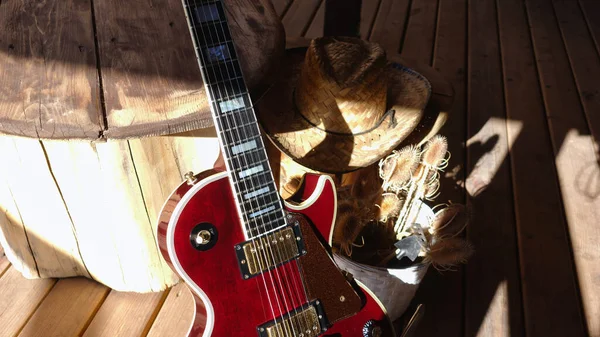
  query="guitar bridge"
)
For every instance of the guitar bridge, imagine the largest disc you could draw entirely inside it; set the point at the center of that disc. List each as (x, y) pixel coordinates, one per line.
(308, 321)
(269, 251)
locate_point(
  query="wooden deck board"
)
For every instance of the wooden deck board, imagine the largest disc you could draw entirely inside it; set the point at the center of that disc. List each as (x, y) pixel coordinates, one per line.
(67, 309)
(583, 57)
(281, 6)
(539, 213)
(4, 264)
(390, 20)
(125, 314)
(524, 116)
(299, 16)
(493, 294)
(367, 17)
(176, 314)
(443, 293)
(591, 11)
(575, 154)
(19, 298)
(420, 31)
(317, 25)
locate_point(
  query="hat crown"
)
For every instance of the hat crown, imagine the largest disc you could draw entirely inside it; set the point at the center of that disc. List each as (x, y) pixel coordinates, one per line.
(348, 60)
(342, 86)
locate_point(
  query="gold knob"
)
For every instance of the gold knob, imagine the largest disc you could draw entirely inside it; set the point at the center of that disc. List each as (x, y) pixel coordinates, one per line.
(203, 237)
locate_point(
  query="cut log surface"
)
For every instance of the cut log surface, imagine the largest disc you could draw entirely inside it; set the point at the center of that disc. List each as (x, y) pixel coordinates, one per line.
(41, 213)
(145, 81)
(48, 70)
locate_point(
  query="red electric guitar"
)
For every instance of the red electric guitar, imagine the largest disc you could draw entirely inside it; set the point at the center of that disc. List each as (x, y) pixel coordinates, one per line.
(256, 265)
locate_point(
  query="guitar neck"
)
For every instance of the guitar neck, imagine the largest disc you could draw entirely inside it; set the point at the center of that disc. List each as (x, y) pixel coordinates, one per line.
(257, 199)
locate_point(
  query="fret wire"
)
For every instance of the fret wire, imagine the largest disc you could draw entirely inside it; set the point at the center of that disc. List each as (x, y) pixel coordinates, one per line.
(211, 92)
(229, 80)
(258, 187)
(265, 206)
(220, 62)
(244, 158)
(217, 44)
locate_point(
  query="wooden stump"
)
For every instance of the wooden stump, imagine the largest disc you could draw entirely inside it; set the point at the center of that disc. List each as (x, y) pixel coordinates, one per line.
(83, 208)
(102, 112)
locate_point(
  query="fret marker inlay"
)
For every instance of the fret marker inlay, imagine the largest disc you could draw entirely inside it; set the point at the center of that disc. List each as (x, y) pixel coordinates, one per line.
(218, 53)
(251, 145)
(255, 193)
(251, 171)
(232, 104)
(262, 211)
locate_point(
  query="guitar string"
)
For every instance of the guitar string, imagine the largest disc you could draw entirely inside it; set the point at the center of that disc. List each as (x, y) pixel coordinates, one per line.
(227, 152)
(194, 11)
(268, 244)
(295, 289)
(264, 242)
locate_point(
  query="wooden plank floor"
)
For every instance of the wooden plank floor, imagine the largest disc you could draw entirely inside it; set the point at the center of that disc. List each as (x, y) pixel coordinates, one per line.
(523, 134)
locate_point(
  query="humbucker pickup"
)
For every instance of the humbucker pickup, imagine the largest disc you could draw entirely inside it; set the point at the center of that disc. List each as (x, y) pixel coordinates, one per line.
(307, 321)
(269, 251)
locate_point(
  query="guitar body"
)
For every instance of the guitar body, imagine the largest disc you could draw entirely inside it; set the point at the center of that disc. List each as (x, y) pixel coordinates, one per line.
(227, 304)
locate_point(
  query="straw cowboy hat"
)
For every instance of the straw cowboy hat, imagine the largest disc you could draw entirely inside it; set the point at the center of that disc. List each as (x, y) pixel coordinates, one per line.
(340, 104)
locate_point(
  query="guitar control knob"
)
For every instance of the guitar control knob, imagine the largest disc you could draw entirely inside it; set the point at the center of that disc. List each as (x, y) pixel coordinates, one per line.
(203, 237)
(371, 329)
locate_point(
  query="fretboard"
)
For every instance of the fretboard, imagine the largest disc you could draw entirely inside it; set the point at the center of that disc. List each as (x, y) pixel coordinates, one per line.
(257, 198)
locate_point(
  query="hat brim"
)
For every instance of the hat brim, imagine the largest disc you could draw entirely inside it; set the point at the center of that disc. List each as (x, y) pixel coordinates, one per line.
(313, 147)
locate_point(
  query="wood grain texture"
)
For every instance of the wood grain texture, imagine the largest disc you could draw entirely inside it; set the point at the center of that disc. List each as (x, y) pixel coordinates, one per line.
(539, 212)
(575, 151)
(128, 221)
(281, 6)
(493, 292)
(41, 208)
(389, 26)
(91, 176)
(420, 31)
(299, 16)
(152, 83)
(67, 309)
(591, 11)
(125, 314)
(48, 68)
(20, 298)
(176, 314)
(195, 150)
(443, 293)
(13, 235)
(4, 263)
(584, 59)
(317, 26)
(368, 13)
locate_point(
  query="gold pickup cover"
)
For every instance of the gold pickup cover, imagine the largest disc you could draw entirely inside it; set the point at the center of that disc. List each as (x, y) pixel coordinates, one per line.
(270, 250)
(304, 323)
